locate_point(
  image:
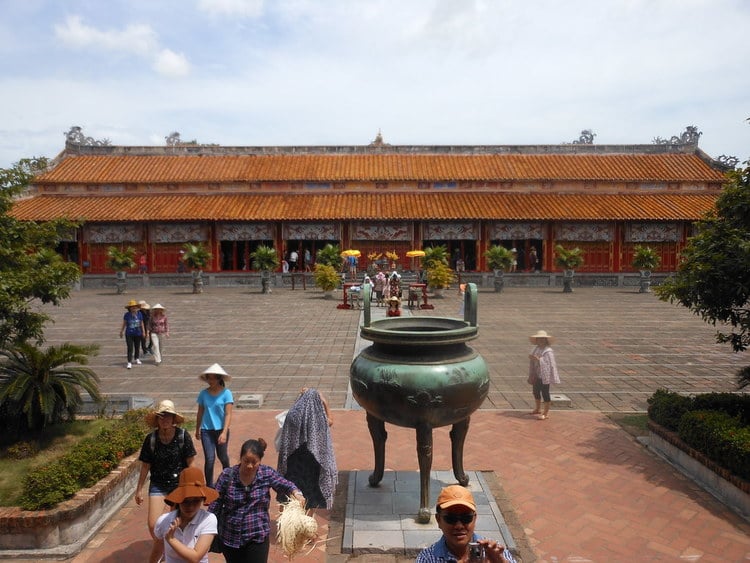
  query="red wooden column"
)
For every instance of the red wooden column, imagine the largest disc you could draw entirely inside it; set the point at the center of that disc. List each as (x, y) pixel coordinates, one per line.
(617, 240)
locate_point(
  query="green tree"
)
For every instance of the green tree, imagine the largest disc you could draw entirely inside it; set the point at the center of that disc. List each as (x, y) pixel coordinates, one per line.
(30, 269)
(41, 387)
(713, 277)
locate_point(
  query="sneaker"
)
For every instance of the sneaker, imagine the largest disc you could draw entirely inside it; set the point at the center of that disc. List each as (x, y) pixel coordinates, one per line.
(138, 362)
(128, 365)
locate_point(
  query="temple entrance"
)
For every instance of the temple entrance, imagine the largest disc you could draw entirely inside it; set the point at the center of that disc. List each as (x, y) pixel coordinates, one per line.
(528, 253)
(458, 251)
(306, 252)
(235, 254)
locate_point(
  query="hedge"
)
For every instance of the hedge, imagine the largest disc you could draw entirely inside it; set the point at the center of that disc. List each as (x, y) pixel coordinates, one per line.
(715, 424)
(84, 464)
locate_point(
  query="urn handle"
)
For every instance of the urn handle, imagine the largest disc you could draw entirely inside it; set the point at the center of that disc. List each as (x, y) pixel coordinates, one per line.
(367, 299)
(470, 304)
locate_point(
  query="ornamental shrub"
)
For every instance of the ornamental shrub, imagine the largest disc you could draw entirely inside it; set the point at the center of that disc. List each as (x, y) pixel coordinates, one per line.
(667, 407)
(720, 437)
(84, 464)
(730, 403)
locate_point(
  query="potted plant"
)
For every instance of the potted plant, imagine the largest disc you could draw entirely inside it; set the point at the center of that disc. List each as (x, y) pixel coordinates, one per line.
(435, 254)
(265, 259)
(330, 255)
(439, 277)
(120, 261)
(645, 259)
(326, 278)
(568, 260)
(499, 260)
(197, 257)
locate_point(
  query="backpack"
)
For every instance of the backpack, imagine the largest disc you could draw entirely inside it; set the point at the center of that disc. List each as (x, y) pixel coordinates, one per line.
(180, 439)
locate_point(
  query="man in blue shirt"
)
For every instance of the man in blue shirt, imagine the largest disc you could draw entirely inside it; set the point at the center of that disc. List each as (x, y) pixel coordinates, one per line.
(456, 516)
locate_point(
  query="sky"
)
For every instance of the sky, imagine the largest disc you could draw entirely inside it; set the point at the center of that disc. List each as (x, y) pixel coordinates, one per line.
(335, 72)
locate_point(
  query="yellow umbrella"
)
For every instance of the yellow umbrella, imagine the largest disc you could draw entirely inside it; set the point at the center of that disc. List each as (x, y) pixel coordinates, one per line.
(415, 254)
(351, 252)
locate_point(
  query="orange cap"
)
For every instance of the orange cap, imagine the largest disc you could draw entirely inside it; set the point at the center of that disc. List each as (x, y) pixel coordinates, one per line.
(456, 495)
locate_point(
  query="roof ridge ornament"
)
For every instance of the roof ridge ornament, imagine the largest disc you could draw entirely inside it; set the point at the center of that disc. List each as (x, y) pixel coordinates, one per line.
(689, 136)
(586, 138)
(378, 142)
(75, 136)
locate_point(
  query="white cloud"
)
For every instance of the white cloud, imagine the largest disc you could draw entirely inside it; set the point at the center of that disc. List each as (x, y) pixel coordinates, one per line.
(239, 8)
(334, 71)
(171, 64)
(137, 39)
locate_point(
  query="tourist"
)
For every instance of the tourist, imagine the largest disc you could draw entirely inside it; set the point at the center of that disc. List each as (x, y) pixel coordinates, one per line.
(308, 260)
(542, 372)
(394, 310)
(244, 493)
(394, 284)
(164, 454)
(293, 257)
(379, 288)
(181, 262)
(214, 419)
(533, 260)
(145, 309)
(143, 264)
(133, 329)
(189, 529)
(456, 515)
(305, 448)
(158, 329)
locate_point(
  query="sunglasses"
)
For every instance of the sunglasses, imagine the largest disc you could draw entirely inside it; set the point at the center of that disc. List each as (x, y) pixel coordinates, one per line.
(453, 519)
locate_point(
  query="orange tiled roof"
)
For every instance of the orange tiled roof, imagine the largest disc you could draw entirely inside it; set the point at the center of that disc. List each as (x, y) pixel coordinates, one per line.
(366, 206)
(169, 169)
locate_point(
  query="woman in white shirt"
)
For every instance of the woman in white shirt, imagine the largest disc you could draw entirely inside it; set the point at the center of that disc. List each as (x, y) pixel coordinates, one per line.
(189, 529)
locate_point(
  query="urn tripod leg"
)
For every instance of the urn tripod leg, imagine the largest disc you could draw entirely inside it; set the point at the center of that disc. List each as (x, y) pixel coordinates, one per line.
(424, 455)
(458, 436)
(379, 436)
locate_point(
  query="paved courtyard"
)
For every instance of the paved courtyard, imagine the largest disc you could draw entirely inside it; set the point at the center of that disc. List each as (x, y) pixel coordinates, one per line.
(614, 346)
(574, 488)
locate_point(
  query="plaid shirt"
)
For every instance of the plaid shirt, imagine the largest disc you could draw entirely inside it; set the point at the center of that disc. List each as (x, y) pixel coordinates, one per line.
(245, 509)
(438, 553)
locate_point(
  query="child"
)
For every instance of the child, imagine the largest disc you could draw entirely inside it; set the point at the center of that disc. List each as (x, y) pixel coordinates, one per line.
(393, 307)
(189, 529)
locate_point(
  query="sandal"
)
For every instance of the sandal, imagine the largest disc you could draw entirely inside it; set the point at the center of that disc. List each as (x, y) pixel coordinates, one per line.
(543, 417)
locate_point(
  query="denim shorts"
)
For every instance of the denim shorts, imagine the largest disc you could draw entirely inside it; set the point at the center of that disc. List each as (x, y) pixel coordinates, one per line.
(157, 491)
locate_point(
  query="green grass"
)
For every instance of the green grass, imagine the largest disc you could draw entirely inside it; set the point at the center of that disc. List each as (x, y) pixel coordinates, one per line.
(634, 424)
(53, 443)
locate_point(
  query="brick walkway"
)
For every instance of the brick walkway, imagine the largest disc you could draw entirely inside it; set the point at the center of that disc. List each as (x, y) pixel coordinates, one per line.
(580, 488)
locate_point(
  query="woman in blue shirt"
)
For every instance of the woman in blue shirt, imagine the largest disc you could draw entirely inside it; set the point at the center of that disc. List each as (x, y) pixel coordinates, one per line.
(133, 330)
(214, 418)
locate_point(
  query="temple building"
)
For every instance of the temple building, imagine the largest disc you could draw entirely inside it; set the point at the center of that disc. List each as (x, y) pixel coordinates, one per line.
(377, 198)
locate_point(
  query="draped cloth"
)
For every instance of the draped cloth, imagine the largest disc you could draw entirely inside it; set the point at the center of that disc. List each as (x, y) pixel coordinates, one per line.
(306, 450)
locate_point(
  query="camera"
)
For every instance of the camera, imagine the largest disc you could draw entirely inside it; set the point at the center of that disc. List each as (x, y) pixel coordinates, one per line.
(476, 551)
